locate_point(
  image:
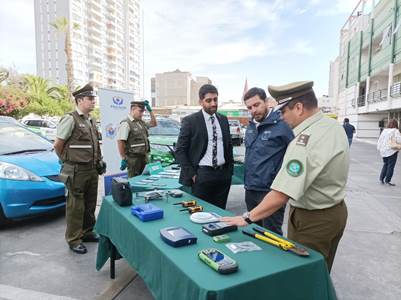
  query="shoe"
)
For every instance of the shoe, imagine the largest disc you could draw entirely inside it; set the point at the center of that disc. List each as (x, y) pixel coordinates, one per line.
(91, 237)
(79, 248)
(390, 184)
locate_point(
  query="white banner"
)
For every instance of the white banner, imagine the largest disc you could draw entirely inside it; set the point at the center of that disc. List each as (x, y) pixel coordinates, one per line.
(114, 107)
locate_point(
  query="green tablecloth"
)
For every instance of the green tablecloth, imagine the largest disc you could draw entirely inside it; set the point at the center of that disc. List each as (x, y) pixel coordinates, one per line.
(177, 273)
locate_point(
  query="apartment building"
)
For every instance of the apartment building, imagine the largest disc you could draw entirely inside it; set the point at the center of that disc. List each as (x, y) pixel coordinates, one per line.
(106, 38)
(176, 88)
(365, 80)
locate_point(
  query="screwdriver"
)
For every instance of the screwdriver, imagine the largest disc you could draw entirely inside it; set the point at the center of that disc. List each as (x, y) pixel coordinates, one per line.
(186, 203)
(193, 209)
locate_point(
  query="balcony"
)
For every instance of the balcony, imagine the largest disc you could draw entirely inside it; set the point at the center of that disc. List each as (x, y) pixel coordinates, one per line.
(360, 101)
(395, 91)
(377, 96)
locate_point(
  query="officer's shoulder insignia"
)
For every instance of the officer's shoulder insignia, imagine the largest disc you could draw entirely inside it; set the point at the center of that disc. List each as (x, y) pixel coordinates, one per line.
(294, 168)
(303, 139)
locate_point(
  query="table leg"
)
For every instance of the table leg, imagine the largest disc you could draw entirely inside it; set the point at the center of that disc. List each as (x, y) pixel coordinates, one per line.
(112, 261)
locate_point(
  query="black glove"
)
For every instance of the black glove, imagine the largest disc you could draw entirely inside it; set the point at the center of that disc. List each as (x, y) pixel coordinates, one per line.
(101, 167)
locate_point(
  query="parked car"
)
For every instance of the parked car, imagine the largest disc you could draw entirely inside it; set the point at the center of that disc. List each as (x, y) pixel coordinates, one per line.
(29, 168)
(46, 128)
(237, 136)
(162, 140)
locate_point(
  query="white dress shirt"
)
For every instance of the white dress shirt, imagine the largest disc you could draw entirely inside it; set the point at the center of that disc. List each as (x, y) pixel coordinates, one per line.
(207, 158)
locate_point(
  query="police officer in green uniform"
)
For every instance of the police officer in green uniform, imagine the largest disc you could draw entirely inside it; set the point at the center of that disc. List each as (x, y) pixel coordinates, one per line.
(132, 138)
(78, 148)
(313, 175)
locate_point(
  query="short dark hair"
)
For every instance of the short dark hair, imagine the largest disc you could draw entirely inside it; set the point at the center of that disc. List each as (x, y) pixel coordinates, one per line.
(392, 124)
(255, 91)
(346, 120)
(207, 88)
(309, 101)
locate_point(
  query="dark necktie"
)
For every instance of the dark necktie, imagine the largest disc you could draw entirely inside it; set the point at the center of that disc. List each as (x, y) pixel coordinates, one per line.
(214, 149)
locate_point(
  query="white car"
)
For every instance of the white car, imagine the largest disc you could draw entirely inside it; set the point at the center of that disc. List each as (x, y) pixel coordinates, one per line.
(46, 128)
(237, 136)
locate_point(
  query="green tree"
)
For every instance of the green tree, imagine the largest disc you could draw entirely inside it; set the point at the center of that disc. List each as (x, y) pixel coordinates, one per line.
(44, 99)
(63, 25)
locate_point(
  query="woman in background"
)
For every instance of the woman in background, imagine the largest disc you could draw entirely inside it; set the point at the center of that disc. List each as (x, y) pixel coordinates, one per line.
(389, 155)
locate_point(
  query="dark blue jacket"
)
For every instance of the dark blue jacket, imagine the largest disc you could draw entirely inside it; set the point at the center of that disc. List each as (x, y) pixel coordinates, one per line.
(264, 151)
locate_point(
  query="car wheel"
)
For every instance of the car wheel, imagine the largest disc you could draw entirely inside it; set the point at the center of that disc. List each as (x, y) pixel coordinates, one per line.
(3, 219)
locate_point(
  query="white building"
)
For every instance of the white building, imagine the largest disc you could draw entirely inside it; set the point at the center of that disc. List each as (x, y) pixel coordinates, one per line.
(106, 45)
(365, 80)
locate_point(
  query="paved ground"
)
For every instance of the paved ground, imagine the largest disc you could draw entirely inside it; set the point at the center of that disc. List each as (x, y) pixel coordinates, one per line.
(35, 262)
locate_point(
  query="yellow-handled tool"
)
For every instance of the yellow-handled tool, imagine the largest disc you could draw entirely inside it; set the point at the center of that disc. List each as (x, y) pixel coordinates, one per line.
(274, 237)
(284, 246)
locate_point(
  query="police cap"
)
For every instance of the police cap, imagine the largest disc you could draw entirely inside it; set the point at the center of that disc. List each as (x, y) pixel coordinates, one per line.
(285, 93)
(87, 91)
(139, 103)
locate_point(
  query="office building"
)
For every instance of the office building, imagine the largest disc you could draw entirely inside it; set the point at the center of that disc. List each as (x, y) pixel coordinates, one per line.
(176, 88)
(106, 40)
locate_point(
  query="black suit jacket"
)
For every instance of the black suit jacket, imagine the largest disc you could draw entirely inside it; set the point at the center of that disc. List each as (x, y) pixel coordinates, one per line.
(192, 145)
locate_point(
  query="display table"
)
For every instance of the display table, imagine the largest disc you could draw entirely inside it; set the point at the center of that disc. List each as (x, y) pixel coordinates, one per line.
(177, 273)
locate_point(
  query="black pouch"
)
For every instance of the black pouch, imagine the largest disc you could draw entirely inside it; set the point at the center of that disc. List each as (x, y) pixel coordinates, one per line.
(121, 191)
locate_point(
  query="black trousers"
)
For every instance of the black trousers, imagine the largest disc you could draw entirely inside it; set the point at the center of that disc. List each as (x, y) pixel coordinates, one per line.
(388, 167)
(275, 221)
(212, 186)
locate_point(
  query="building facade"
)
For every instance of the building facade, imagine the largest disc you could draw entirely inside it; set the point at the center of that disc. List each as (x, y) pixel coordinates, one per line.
(365, 80)
(106, 38)
(176, 88)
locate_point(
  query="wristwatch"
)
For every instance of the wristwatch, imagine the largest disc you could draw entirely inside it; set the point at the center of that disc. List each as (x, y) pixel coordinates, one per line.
(246, 216)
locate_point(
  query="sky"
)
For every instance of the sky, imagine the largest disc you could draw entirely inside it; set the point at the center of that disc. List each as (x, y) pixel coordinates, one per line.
(264, 41)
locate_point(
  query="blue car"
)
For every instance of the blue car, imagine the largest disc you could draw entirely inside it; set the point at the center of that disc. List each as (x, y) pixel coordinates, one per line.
(29, 168)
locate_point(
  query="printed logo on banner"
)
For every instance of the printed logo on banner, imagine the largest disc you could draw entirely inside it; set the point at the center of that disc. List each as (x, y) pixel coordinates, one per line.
(110, 131)
(118, 103)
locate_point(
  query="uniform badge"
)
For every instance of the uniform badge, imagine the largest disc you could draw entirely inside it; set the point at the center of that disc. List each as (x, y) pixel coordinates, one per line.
(303, 140)
(294, 168)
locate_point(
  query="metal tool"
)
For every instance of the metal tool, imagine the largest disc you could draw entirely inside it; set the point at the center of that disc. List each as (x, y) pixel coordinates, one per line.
(193, 209)
(186, 203)
(274, 240)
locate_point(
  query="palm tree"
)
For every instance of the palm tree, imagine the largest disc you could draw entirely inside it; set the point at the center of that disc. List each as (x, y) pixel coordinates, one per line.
(3, 74)
(63, 25)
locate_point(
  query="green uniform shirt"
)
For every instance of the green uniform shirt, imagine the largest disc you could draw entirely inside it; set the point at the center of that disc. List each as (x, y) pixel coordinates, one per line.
(123, 130)
(66, 126)
(315, 166)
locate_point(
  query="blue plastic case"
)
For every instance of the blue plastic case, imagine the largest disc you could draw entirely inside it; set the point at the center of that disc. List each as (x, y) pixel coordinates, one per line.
(147, 212)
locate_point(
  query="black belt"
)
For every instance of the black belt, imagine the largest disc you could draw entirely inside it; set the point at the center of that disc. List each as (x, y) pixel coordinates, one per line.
(212, 168)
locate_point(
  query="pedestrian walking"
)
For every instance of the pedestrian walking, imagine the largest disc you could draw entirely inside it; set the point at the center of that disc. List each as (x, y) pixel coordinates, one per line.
(389, 144)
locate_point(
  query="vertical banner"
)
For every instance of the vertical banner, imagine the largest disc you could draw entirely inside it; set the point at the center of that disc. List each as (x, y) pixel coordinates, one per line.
(114, 107)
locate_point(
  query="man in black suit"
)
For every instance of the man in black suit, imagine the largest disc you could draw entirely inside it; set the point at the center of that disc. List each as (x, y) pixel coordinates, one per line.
(204, 150)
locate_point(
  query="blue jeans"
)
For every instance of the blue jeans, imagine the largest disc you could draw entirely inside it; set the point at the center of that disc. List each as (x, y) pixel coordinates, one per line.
(350, 141)
(388, 167)
(275, 221)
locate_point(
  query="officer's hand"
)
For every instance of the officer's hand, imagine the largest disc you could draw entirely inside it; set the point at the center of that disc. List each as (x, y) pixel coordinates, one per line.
(101, 167)
(123, 164)
(238, 220)
(147, 106)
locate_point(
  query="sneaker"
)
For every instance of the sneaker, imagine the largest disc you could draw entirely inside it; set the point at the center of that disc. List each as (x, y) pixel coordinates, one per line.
(390, 184)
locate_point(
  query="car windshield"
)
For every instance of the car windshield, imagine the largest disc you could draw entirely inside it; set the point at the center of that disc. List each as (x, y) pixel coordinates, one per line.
(16, 139)
(165, 127)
